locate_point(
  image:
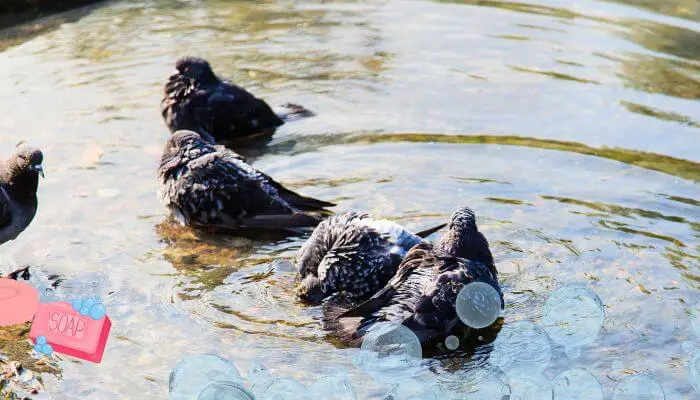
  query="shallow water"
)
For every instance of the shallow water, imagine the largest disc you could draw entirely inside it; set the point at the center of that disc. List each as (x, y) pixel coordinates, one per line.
(572, 130)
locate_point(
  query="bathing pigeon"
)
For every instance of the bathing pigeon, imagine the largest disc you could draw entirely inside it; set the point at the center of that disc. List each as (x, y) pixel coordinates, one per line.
(352, 254)
(196, 99)
(19, 180)
(208, 186)
(422, 294)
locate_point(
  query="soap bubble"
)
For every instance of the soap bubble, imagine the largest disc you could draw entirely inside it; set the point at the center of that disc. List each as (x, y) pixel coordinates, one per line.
(452, 342)
(46, 349)
(687, 346)
(576, 384)
(97, 311)
(478, 305)
(695, 320)
(37, 348)
(390, 341)
(41, 340)
(224, 390)
(530, 386)
(333, 388)
(411, 390)
(523, 346)
(259, 378)
(638, 387)
(694, 370)
(285, 389)
(573, 352)
(573, 315)
(77, 304)
(192, 374)
(85, 310)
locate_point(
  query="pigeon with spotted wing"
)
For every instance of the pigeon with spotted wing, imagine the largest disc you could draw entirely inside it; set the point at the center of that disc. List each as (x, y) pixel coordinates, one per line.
(354, 255)
(19, 180)
(211, 187)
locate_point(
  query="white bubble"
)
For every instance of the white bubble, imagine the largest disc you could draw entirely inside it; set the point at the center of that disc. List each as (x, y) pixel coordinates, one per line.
(523, 346)
(333, 388)
(192, 374)
(285, 389)
(390, 345)
(452, 342)
(478, 305)
(529, 386)
(576, 384)
(222, 390)
(694, 370)
(412, 390)
(573, 316)
(638, 387)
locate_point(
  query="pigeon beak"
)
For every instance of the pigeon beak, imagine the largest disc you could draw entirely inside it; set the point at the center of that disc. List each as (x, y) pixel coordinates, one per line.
(39, 169)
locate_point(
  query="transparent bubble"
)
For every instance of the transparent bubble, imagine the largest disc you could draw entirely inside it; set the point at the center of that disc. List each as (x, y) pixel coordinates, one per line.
(573, 316)
(223, 390)
(687, 346)
(576, 384)
(259, 378)
(452, 342)
(695, 320)
(333, 388)
(482, 383)
(694, 370)
(285, 389)
(389, 346)
(523, 346)
(478, 305)
(412, 390)
(530, 386)
(638, 387)
(192, 374)
(617, 366)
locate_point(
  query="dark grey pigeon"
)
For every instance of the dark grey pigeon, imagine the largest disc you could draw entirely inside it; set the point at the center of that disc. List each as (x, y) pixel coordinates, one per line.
(19, 180)
(197, 100)
(422, 294)
(352, 254)
(211, 187)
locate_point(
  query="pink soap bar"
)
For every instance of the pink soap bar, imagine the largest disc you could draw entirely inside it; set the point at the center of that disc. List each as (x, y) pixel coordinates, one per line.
(18, 302)
(70, 333)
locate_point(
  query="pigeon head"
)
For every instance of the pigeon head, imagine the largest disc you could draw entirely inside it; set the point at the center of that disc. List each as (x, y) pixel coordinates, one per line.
(21, 172)
(195, 68)
(463, 238)
(27, 161)
(310, 290)
(185, 141)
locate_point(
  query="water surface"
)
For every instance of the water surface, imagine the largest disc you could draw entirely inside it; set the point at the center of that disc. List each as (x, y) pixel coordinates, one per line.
(572, 130)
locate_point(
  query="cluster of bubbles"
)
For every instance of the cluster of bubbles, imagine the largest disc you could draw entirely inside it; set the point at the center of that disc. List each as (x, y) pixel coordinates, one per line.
(91, 307)
(42, 347)
(210, 377)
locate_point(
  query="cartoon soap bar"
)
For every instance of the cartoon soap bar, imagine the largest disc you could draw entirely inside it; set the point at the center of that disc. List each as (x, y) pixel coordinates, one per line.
(69, 332)
(18, 302)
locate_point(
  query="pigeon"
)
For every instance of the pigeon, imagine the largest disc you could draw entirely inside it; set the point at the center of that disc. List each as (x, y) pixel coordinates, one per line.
(19, 180)
(196, 99)
(422, 294)
(352, 254)
(211, 187)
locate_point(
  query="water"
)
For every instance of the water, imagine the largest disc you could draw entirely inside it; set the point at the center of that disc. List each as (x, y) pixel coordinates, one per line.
(572, 130)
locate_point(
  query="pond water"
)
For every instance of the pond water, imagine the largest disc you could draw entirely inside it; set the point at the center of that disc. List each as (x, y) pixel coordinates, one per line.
(573, 130)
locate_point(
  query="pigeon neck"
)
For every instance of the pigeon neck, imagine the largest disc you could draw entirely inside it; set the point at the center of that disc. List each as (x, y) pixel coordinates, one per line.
(22, 184)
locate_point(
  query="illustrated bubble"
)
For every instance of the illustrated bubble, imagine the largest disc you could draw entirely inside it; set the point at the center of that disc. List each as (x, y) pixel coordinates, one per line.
(192, 374)
(411, 390)
(530, 386)
(97, 311)
(452, 342)
(395, 340)
(576, 384)
(88, 303)
(523, 346)
(638, 387)
(37, 348)
(478, 305)
(41, 340)
(77, 304)
(573, 316)
(333, 388)
(46, 349)
(483, 383)
(85, 310)
(285, 389)
(223, 390)
(694, 370)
